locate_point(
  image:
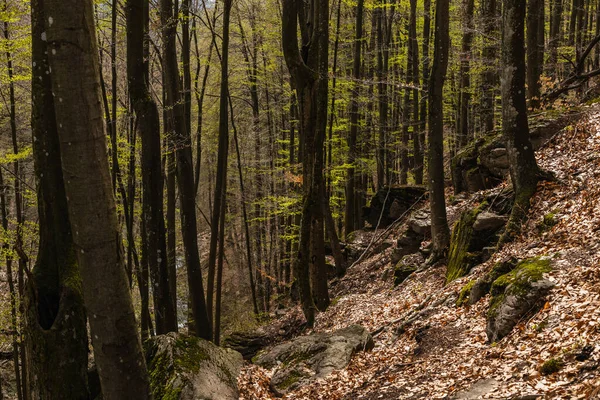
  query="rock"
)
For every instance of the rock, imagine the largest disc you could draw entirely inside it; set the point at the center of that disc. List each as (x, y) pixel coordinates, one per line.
(482, 286)
(308, 358)
(248, 343)
(584, 353)
(488, 221)
(382, 246)
(478, 390)
(516, 294)
(407, 244)
(420, 223)
(188, 368)
(402, 272)
(391, 203)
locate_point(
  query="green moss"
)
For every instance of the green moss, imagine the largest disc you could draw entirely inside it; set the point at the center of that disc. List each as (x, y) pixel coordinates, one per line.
(460, 260)
(551, 366)
(463, 296)
(519, 279)
(548, 221)
(526, 272)
(293, 377)
(190, 354)
(162, 379)
(351, 237)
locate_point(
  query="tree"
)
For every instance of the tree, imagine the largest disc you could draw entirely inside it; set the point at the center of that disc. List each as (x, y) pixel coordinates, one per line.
(350, 211)
(72, 50)
(440, 233)
(148, 126)
(489, 76)
(309, 75)
(57, 341)
(185, 168)
(535, 20)
(524, 171)
(464, 101)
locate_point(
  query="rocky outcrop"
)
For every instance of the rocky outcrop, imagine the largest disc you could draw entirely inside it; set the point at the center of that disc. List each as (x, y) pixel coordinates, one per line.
(483, 163)
(475, 231)
(420, 223)
(308, 358)
(188, 368)
(409, 243)
(515, 295)
(246, 343)
(390, 203)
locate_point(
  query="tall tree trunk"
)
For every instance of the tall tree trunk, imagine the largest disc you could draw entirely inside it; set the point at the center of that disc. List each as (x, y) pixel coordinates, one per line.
(489, 76)
(419, 156)
(350, 216)
(524, 171)
(554, 43)
(152, 179)
(91, 204)
(219, 209)
(534, 70)
(185, 170)
(440, 232)
(464, 130)
(57, 342)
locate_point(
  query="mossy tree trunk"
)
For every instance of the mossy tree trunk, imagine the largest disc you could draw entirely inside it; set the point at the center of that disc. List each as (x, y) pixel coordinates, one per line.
(56, 322)
(524, 171)
(73, 58)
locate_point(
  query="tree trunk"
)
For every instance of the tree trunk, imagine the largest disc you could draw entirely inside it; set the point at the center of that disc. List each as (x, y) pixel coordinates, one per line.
(91, 204)
(57, 343)
(489, 76)
(350, 216)
(419, 156)
(524, 171)
(185, 170)
(464, 130)
(534, 70)
(440, 232)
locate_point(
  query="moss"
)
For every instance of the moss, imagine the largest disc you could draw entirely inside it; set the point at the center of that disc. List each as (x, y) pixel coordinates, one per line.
(548, 221)
(460, 260)
(551, 366)
(519, 279)
(463, 296)
(190, 354)
(526, 272)
(350, 237)
(293, 377)
(162, 379)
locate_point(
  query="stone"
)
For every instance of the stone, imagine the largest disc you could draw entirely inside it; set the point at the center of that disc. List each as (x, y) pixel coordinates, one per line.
(187, 368)
(407, 266)
(515, 295)
(420, 223)
(489, 221)
(390, 203)
(248, 343)
(308, 358)
(409, 243)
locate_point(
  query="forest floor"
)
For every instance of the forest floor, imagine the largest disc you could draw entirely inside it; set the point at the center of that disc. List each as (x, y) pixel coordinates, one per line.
(446, 351)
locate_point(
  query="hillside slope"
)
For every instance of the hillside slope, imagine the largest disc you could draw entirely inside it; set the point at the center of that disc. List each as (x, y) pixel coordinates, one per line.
(444, 351)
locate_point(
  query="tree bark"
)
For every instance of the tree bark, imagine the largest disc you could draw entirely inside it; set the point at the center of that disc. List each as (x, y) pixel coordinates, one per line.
(185, 170)
(440, 232)
(57, 342)
(524, 171)
(70, 33)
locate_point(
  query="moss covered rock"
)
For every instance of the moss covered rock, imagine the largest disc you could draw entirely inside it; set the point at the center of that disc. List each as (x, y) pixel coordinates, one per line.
(516, 294)
(307, 358)
(185, 368)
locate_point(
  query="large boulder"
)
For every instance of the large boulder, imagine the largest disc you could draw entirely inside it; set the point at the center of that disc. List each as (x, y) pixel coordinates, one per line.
(189, 368)
(308, 358)
(516, 294)
(420, 223)
(390, 203)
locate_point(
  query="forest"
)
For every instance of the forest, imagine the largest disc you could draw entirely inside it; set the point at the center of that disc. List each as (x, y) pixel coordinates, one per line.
(325, 199)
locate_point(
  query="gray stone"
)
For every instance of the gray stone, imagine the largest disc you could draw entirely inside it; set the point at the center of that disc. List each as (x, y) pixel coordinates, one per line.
(248, 343)
(307, 358)
(189, 368)
(489, 221)
(420, 223)
(513, 305)
(390, 203)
